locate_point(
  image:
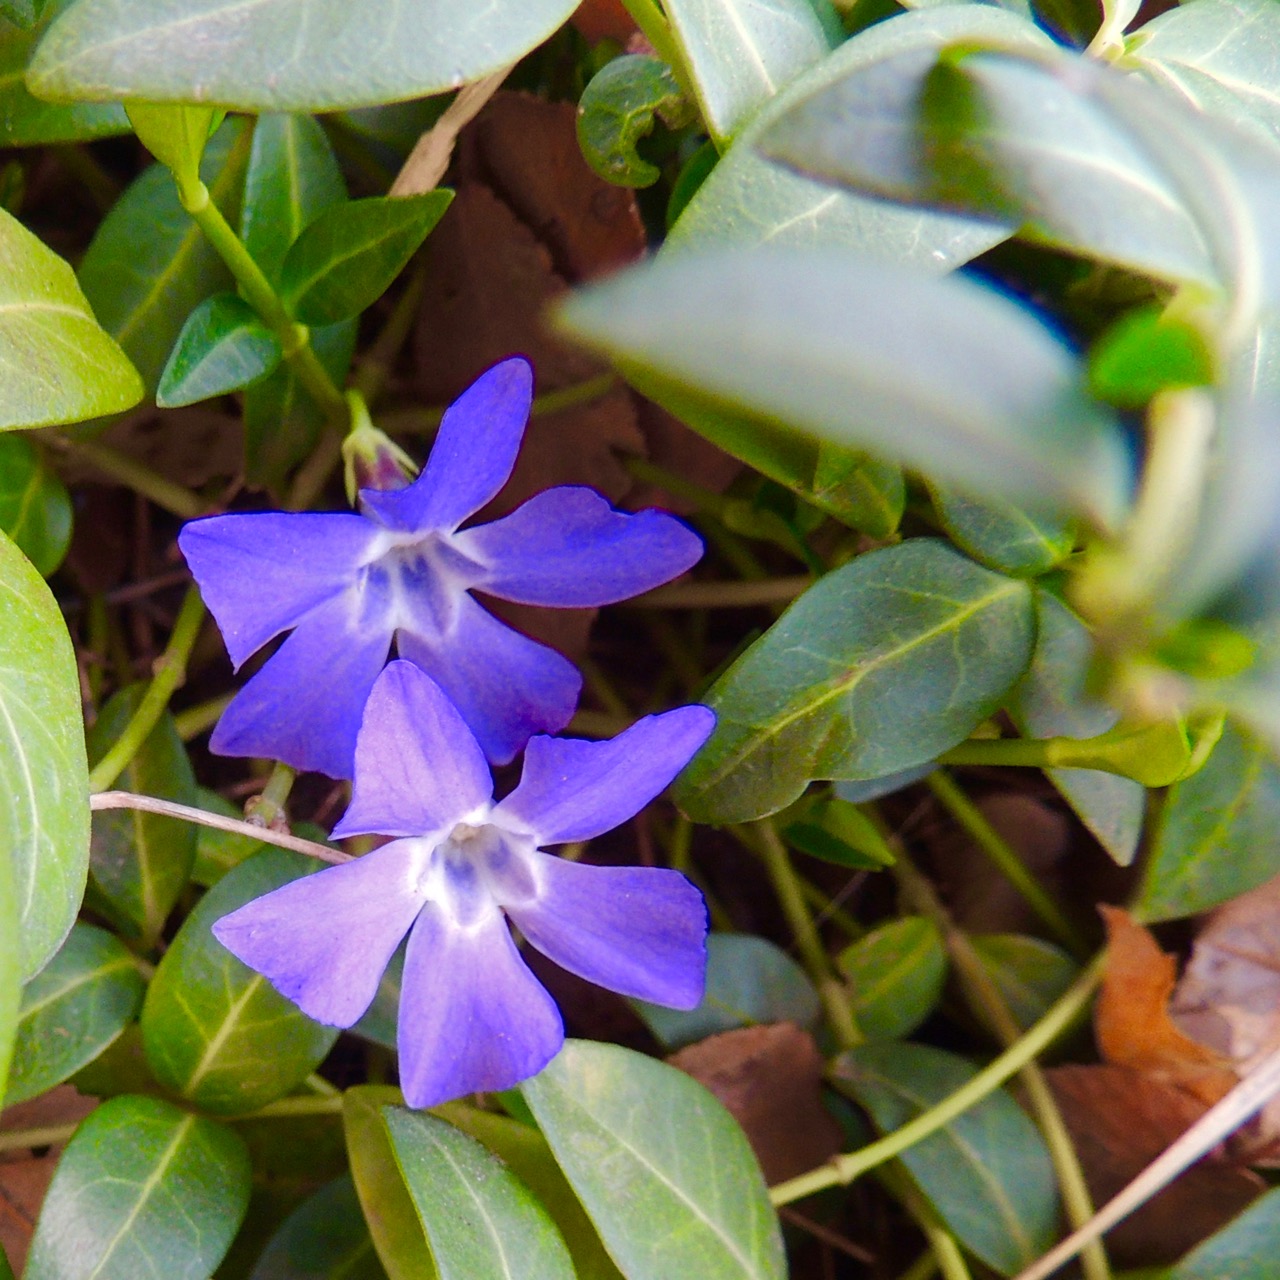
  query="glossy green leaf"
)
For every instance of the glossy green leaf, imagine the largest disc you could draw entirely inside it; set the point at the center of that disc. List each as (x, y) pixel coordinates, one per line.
(739, 53)
(140, 861)
(215, 1031)
(831, 828)
(884, 663)
(749, 981)
(863, 790)
(324, 1238)
(149, 265)
(479, 1217)
(230, 52)
(618, 109)
(940, 374)
(349, 254)
(142, 1189)
(1219, 831)
(44, 809)
(858, 489)
(388, 1207)
(175, 135)
(895, 975)
(1147, 351)
(1052, 701)
(662, 1169)
(218, 851)
(222, 347)
(988, 1173)
(1002, 536)
(61, 365)
(35, 507)
(73, 1009)
(1029, 973)
(1245, 1249)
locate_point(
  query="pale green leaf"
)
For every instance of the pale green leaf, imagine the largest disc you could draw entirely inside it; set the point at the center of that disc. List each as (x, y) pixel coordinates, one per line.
(35, 507)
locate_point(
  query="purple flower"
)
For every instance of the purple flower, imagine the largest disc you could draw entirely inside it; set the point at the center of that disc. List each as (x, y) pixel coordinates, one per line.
(403, 570)
(472, 1015)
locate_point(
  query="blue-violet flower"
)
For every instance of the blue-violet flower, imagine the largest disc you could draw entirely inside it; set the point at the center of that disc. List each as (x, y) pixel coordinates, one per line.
(472, 1015)
(402, 570)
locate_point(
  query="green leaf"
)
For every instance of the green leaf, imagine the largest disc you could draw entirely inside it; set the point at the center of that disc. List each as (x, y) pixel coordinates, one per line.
(222, 347)
(22, 13)
(1245, 1249)
(895, 975)
(1002, 536)
(1217, 833)
(1052, 701)
(988, 1173)
(884, 663)
(324, 1238)
(858, 489)
(35, 507)
(143, 1188)
(149, 266)
(1147, 351)
(44, 806)
(61, 366)
(218, 851)
(942, 375)
(28, 121)
(831, 828)
(282, 55)
(622, 1127)
(739, 53)
(216, 1032)
(6, 1271)
(617, 110)
(479, 1218)
(1030, 974)
(72, 1010)
(380, 1020)
(749, 981)
(349, 254)
(176, 136)
(141, 861)
(388, 1207)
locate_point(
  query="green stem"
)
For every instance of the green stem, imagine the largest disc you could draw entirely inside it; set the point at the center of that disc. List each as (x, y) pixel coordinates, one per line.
(267, 809)
(50, 1136)
(656, 30)
(942, 1243)
(168, 496)
(170, 672)
(194, 721)
(723, 595)
(285, 1108)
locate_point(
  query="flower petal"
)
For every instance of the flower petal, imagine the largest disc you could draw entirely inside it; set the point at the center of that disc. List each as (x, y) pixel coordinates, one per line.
(262, 572)
(640, 931)
(574, 790)
(304, 706)
(418, 766)
(472, 458)
(506, 686)
(568, 547)
(472, 1016)
(324, 941)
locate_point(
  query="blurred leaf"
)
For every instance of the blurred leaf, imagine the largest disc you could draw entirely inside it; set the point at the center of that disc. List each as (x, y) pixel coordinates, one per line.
(44, 809)
(61, 366)
(942, 375)
(72, 1010)
(22, 13)
(325, 1238)
(617, 110)
(863, 790)
(222, 347)
(1147, 351)
(884, 663)
(1219, 832)
(749, 980)
(1244, 1249)
(143, 1188)
(895, 975)
(479, 1218)
(218, 851)
(35, 508)
(348, 255)
(140, 861)
(833, 829)
(175, 135)
(988, 1173)
(619, 1123)
(1001, 535)
(1052, 700)
(859, 490)
(388, 1207)
(739, 53)
(216, 1032)
(338, 55)
(1029, 973)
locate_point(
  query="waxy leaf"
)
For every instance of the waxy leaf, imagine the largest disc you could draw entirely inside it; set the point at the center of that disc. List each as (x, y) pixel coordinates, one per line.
(232, 53)
(988, 1173)
(324, 1238)
(142, 1189)
(1030, 974)
(222, 347)
(141, 861)
(44, 805)
(35, 507)
(218, 851)
(175, 135)
(1243, 1249)
(883, 664)
(73, 1009)
(940, 374)
(479, 1218)
(60, 364)
(618, 109)
(1002, 536)
(662, 1169)
(895, 975)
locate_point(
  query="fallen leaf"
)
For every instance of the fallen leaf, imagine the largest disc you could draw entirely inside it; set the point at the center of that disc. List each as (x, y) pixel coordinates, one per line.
(603, 20)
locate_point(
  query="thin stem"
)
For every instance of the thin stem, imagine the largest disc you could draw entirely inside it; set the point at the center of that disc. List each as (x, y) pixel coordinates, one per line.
(267, 809)
(50, 1136)
(193, 721)
(657, 31)
(284, 1108)
(168, 496)
(377, 362)
(942, 1243)
(170, 672)
(722, 595)
(321, 1087)
(588, 391)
